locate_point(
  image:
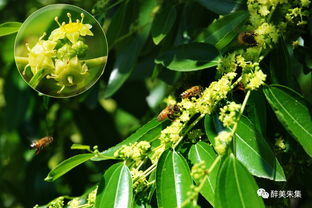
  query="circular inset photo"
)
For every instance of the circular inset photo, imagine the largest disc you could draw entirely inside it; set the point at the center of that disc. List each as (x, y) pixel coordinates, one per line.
(61, 50)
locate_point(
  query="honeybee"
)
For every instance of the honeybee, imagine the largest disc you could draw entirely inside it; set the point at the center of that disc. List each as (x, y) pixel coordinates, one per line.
(41, 143)
(240, 87)
(192, 92)
(247, 38)
(170, 112)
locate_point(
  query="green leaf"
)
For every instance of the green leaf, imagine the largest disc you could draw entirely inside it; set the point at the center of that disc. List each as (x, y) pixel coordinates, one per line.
(221, 32)
(189, 57)
(199, 152)
(163, 23)
(256, 110)
(149, 132)
(236, 188)
(209, 128)
(293, 112)
(128, 55)
(221, 6)
(8, 28)
(115, 190)
(255, 153)
(67, 165)
(213, 126)
(173, 180)
(119, 23)
(282, 66)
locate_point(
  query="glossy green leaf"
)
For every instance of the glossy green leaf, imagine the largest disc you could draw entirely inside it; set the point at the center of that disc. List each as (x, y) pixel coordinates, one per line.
(148, 132)
(163, 23)
(256, 110)
(213, 126)
(293, 112)
(189, 57)
(255, 153)
(221, 6)
(115, 190)
(67, 165)
(236, 188)
(199, 152)
(119, 24)
(282, 67)
(210, 128)
(128, 55)
(8, 28)
(173, 180)
(221, 32)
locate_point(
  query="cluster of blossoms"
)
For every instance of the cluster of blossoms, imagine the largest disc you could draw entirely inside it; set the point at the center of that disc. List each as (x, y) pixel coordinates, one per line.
(56, 203)
(297, 14)
(139, 179)
(135, 152)
(260, 14)
(75, 202)
(204, 104)
(222, 141)
(198, 170)
(229, 114)
(81, 202)
(58, 57)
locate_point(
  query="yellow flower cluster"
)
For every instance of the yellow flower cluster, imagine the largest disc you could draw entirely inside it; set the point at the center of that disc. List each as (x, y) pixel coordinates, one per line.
(253, 80)
(229, 114)
(74, 203)
(72, 30)
(171, 134)
(136, 151)
(266, 34)
(198, 170)
(222, 141)
(40, 56)
(204, 104)
(296, 15)
(216, 91)
(58, 56)
(140, 181)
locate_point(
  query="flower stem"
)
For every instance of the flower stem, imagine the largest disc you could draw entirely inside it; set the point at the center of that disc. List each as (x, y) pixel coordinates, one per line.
(35, 80)
(94, 62)
(203, 180)
(188, 129)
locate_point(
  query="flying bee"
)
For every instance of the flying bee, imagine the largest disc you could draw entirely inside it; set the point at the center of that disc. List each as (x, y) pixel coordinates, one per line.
(170, 112)
(41, 143)
(247, 38)
(192, 92)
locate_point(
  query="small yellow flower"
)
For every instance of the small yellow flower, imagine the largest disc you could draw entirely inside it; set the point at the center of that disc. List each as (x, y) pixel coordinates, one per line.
(40, 56)
(280, 143)
(72, 30)
(222, 141)
(263, 11)
(68, 72)
(254, 80)
(229, 114)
